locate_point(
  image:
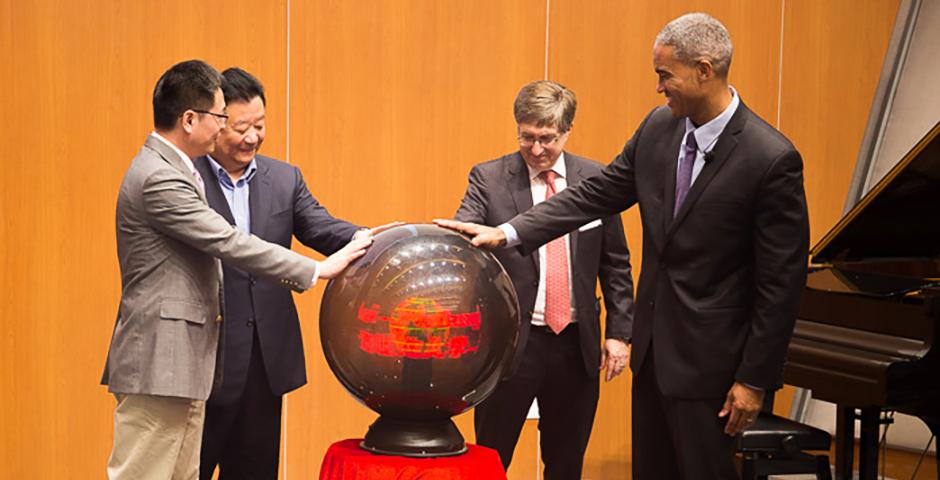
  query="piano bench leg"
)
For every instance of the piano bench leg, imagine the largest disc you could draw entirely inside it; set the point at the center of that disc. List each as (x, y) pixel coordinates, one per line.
(823, 470)
(748, 467)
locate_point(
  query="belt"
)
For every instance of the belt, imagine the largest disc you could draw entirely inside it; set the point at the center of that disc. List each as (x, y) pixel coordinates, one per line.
(572, 328)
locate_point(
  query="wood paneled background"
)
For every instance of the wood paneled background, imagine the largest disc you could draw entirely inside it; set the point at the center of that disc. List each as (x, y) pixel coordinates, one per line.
(385, 106)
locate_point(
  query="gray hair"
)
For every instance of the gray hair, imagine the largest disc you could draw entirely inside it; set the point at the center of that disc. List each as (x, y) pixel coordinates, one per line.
(698, 36)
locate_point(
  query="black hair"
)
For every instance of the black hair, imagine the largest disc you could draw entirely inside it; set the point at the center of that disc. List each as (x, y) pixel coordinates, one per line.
(189, 85)
(240, 86)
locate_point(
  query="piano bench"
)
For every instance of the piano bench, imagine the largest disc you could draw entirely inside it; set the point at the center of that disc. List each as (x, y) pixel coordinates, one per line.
(775, 446)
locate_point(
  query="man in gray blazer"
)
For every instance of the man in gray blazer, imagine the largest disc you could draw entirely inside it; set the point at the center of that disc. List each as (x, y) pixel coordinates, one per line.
(162, 359)
(725, 239)
(263, 349)
(560, 341)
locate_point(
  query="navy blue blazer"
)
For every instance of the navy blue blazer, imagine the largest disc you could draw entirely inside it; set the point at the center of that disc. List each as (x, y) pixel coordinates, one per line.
(281, 208)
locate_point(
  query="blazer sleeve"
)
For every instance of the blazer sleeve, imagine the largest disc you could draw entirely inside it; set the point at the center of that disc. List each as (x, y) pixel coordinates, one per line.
(313, 224)
(174, 208)
(781, 233)
(616, 280)
(473, 207)
(607, 193)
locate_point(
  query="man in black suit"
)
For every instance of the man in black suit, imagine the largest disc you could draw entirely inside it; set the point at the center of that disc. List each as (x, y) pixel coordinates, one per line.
(560, 337)
(263, 355)
(725, 239)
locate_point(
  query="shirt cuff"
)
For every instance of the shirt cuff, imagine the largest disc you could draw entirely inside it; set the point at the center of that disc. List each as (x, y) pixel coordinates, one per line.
(316, 275)
(360, 233)
(512, 237)
(753, 387)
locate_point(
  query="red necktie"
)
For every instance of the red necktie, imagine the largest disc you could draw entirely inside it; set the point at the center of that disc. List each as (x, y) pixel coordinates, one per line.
(557, 296)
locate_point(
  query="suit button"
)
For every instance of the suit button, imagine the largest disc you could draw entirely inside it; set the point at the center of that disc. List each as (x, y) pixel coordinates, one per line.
(251, 321)
(252, 281)
(218, 318)
(535, 284)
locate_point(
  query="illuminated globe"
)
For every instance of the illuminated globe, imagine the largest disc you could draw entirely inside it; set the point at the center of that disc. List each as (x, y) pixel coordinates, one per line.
(419, 329)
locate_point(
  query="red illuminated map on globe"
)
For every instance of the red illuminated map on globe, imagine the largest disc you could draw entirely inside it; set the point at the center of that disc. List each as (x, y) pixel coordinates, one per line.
(419, 328)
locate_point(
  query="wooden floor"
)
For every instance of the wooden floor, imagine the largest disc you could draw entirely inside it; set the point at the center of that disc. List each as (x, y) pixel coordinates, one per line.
(900, 464)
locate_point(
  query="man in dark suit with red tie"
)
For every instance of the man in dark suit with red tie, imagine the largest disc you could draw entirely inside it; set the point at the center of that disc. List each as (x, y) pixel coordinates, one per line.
(725, 239)
(560, 336)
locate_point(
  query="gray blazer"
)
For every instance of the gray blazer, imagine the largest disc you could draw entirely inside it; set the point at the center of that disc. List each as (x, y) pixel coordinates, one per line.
(169, 244)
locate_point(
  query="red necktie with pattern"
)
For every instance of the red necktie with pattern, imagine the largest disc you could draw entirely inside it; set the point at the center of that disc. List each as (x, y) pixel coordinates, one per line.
(557, 294)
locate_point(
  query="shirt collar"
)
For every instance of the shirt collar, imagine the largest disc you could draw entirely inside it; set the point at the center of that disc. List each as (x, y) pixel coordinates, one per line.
(707, 134)
(559, 168)
(222, 175)
(186, 160)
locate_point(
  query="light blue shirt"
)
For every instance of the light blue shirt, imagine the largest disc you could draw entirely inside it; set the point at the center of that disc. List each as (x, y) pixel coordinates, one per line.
(705, 136)
(236, 192)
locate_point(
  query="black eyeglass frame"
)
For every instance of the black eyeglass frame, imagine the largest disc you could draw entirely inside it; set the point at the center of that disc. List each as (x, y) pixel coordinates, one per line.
(221, 116)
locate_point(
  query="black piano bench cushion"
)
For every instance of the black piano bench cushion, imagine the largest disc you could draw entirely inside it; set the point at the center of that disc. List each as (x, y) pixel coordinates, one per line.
(771, 433)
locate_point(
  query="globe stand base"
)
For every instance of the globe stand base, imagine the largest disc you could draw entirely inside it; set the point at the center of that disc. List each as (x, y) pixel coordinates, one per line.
(414, 438)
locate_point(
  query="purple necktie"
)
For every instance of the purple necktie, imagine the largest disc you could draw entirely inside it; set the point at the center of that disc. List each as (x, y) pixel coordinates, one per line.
(684, 174)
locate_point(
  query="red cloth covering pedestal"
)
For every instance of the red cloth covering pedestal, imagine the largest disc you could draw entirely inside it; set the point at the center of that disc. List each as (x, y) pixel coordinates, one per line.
(346, 461)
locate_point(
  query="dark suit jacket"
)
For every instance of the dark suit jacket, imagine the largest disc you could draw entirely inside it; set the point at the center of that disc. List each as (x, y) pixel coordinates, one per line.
(720, 284)
(499, 190)
(281, 207)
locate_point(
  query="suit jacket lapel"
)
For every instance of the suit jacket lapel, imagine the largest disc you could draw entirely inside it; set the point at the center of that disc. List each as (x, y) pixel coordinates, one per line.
(726, 143)
(521, 190)
(574, 176)
(213, 190)
(259, 198)
(175, 161)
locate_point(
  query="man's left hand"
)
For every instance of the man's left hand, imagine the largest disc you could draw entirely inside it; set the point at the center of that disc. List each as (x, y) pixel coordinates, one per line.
(742, 405)
(614, 358)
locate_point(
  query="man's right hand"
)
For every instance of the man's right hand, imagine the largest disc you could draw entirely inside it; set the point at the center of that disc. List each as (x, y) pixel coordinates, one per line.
(336, 263)
(480, 235)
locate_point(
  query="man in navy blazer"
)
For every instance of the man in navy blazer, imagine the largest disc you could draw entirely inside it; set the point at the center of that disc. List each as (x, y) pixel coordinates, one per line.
(263, 350)
(725, 240)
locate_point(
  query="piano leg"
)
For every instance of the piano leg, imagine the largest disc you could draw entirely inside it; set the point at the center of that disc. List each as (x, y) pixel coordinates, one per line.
(845, 442)
(933, 423)
(868, 444)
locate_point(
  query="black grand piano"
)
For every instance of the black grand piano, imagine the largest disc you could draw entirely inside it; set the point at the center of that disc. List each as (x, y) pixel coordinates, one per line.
(868, 334)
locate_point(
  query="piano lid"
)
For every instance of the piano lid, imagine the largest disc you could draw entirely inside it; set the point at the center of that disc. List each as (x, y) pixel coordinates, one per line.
(898, 218)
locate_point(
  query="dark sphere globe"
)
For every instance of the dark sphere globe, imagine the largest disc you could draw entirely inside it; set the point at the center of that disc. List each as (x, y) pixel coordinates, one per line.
(419, 329)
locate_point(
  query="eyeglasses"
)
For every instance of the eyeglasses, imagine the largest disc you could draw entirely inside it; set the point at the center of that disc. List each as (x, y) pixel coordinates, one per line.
(545, 140)
(219, 117)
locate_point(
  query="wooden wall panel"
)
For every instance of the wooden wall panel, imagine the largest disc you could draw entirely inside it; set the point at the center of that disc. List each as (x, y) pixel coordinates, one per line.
(391, 104)
(77, 95)
(831, 64)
